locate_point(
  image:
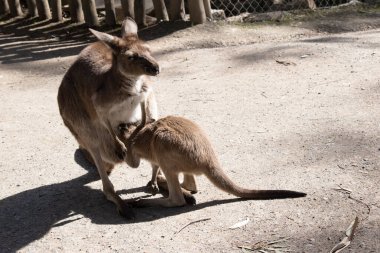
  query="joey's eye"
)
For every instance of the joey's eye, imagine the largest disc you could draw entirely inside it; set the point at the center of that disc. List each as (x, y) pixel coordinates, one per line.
(131, 57)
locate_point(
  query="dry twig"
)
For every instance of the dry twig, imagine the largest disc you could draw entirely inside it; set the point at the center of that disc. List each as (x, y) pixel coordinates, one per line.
(267, 246)
(285, 63)
(190, 223)
(340, 188)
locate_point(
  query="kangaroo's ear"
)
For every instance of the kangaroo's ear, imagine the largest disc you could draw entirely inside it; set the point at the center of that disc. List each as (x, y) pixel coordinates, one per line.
(129, 27)
(111, 41)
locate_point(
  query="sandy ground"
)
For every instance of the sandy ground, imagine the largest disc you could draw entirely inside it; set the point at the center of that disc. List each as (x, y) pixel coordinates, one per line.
(294, 107)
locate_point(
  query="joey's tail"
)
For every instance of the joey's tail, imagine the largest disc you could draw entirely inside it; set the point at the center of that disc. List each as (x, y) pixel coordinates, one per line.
(220, 180)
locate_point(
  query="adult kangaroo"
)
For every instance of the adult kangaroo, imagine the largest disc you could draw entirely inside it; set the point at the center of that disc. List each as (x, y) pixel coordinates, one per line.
(177, 145)
(103, 89)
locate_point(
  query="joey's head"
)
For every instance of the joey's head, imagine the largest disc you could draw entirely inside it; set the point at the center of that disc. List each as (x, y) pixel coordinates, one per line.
(133, 56)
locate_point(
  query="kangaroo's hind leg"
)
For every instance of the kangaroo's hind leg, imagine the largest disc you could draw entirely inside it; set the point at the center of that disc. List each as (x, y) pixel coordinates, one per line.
(86, 155)
(175, 197)
(108, 188)
(164, 189)
(152, 184)
(189, 183)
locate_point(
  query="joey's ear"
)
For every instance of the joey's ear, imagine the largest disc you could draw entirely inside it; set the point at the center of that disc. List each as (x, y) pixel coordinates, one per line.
(109, 40)
(129, 27)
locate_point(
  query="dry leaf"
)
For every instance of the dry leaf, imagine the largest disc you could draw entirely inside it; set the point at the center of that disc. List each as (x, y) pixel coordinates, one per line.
(350, 232)
(240, 224)
(348, 238)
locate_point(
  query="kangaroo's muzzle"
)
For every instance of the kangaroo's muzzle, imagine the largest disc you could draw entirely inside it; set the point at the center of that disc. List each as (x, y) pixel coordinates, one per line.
(152, 70)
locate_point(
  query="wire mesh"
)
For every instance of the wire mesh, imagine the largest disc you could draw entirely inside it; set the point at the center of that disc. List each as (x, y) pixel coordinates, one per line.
(236, 7)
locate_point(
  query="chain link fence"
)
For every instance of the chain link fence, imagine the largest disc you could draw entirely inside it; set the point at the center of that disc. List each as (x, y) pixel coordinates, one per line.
(236, 7)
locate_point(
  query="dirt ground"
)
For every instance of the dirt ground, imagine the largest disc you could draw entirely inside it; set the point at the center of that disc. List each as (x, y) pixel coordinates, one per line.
(286, 106)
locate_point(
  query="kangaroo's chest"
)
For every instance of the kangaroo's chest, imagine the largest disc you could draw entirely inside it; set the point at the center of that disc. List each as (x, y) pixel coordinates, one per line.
(121, 108)
(126, 111)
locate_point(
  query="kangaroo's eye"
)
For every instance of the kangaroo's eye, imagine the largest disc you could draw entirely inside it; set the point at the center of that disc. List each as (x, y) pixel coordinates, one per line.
(133, 57)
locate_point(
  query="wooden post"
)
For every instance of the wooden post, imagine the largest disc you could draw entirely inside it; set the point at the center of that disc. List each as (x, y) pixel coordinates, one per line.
(207, 6)
(197, 11)
(128, 8)
(90, 14)
(110, 12)
(32, 8)
(140, 13)
(15, 7)
(76, 11)
(43, 9)
(177, 10)
(311, 4)
(56, 9)
(4, 7)
(160, 10)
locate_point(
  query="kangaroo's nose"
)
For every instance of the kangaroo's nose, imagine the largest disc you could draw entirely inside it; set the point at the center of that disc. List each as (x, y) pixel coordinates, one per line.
(153, 70)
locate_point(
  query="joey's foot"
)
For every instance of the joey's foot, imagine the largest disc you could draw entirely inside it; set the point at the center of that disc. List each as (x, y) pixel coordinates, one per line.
(126, 211)
(163, 202)
(190, 199)
(152, 187)
(139, 203)
(163, 188)
(190, 190)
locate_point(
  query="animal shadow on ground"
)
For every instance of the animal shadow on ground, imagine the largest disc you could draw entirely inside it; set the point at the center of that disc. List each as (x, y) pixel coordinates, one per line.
(29, 215)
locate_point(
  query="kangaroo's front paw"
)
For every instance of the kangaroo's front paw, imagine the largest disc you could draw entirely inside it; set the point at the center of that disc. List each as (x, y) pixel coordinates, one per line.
(126, 211)
(152, 187)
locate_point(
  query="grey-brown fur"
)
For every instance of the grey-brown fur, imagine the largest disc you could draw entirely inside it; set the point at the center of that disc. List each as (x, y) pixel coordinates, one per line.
(103, 89)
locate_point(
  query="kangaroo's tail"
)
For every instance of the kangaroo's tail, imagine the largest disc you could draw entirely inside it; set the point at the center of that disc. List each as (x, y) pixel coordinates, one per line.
(221, 180)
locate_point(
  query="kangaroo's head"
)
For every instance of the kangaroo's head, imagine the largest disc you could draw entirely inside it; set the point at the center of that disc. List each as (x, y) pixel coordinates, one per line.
(133, 56)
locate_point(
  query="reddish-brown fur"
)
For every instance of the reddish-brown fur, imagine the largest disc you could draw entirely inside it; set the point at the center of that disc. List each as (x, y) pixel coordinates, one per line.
(178, 145)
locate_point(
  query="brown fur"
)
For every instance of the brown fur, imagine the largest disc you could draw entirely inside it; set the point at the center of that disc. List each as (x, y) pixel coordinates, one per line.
(103, 89)
(178, 145)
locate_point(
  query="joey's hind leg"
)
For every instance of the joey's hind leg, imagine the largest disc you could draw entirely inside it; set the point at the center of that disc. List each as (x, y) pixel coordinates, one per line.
(189, 183)
(174, 199)
(164, 189)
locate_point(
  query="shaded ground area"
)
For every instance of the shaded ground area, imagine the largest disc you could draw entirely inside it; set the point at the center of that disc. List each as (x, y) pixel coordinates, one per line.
(291, 106)
(34, 40)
